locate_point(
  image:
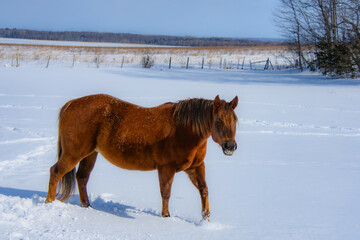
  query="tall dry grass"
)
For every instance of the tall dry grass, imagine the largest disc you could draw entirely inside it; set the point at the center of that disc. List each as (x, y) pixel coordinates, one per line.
(112, 56)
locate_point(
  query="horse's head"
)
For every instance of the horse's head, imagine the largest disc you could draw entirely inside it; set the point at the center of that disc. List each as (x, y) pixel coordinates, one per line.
(224, 124)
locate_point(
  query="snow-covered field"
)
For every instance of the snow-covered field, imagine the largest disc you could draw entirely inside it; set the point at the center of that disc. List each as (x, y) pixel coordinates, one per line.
(295, 175)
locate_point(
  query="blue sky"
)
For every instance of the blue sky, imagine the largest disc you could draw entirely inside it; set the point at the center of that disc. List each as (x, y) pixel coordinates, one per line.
(201, 18)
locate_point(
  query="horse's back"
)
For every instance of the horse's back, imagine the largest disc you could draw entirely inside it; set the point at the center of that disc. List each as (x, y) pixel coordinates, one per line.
(85, 111)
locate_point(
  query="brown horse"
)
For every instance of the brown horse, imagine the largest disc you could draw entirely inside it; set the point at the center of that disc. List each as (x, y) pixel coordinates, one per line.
(169, 138)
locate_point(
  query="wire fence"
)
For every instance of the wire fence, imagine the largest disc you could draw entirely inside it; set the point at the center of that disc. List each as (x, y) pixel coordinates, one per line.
(48, 57)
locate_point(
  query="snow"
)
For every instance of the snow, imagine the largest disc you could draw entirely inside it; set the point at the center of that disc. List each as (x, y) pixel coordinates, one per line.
(295, 174)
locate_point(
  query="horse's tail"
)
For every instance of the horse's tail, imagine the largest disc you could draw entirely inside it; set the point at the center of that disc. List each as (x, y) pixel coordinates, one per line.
(66, 185)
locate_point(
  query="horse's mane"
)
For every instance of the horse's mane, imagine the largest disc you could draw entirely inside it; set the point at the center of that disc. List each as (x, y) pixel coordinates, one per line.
(195, 113)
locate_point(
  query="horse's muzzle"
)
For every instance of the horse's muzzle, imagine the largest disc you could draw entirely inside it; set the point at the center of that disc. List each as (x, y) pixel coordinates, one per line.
(229, 148)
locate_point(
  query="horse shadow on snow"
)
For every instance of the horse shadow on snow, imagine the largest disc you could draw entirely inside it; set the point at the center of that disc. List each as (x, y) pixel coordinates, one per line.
(99, 204)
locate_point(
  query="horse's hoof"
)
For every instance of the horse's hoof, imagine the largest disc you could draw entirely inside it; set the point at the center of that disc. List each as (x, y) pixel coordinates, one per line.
(207, 219)
(85, 205)
(48, 201)
(206, 216)
(165, 215)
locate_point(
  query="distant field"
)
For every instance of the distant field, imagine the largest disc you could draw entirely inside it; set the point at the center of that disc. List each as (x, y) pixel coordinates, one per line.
(17, 51)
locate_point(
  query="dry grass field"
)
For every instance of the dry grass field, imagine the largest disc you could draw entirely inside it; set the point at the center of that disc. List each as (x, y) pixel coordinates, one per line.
(120, 56)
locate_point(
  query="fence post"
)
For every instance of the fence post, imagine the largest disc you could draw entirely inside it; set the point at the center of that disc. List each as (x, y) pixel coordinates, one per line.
(202, 64)
(97, 61)
(73, 64)
(266, 64)
(48, 61)
(238, 65)
(17, 60)
(250, 65)
(170, 63)
(224, 63)
(242, 67)
(122, 61)
(187, 63)
(220, 63)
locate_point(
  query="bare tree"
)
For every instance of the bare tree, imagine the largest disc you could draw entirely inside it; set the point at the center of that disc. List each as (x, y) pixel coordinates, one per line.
(330, 26)
(288, 20)
(351, 28)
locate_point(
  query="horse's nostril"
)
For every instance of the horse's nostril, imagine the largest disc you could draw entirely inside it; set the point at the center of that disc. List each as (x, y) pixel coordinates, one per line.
(230, 146)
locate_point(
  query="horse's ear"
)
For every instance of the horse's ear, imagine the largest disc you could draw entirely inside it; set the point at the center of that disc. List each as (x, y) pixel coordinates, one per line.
(234, 102)
(217, 102)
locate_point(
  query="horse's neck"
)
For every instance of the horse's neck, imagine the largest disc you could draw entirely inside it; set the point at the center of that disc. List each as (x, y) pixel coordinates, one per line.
(192, 138)
(194, 114)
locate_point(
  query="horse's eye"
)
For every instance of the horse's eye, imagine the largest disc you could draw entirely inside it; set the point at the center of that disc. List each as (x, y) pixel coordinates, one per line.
(217, 121)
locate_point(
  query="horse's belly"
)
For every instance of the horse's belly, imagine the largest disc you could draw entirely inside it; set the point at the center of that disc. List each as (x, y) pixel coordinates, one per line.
(131, 160)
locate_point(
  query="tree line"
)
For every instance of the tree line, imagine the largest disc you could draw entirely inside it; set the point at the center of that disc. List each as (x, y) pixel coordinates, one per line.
(329, 28)
(132, 38)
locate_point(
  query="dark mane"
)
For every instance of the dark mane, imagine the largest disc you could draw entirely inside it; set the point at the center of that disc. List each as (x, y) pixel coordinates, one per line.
(195, 113)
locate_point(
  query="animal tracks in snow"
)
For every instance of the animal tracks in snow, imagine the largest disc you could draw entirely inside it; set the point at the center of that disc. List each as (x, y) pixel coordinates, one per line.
(25, 140)
(294, 106)
(27, 107)
(286, 128)
(28, 157)
(33, 145)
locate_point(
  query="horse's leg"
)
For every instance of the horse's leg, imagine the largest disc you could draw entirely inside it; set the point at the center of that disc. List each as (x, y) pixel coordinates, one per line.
(166, 177)
(64, 165)
(82, 176)
(197, 177)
